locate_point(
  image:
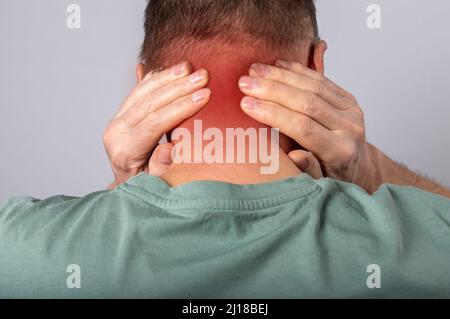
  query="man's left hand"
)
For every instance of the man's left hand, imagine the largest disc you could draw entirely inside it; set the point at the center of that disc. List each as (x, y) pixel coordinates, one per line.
(316, 113)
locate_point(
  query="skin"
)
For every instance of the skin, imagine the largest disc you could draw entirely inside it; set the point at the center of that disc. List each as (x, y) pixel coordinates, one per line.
(159, 102)
(295, 97)
(325, 119)
(135, 131)
(225, 66)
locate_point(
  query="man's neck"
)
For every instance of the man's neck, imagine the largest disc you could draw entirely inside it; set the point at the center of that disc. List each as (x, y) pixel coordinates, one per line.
(180, 174)
(264, 162)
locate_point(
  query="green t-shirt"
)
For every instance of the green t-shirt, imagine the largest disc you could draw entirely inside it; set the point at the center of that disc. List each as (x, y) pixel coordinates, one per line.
(298, 238)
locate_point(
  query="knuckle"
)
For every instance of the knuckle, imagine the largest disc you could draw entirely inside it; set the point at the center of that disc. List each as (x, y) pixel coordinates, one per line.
(348, 154)
(297, 66)
(120, 125)
(174, 87)
(182, 104)
(276, 73)
(305, 126)
(318, 86)
(358, 127)
(267, 110)
(269, 86)
(310, 103)
(152, 122)
(150, 106)
(144, 105)
(136, 94)
(359, 132)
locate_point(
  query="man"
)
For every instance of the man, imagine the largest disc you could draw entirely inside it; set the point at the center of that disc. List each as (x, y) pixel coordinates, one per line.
(214, 228)
(336, 137)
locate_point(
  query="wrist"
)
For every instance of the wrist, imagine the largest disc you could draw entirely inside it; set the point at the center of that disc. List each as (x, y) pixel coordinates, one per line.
(374, 169)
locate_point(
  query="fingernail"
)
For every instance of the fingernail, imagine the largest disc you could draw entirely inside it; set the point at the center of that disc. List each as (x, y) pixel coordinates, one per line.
(260, 69)
(180, 69)
(200, 95)
(197, 77)
(247, 83)
(249, 103)
(165, 156)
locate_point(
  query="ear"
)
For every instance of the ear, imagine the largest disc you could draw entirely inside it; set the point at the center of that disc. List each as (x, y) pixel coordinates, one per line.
(140, 72)
(317, 56)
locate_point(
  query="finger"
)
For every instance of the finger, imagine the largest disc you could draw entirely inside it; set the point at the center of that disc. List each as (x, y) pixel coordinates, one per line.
(153, 81)
(302, 69)
(165, 96)
(318, 85)
(307, 163)
(156, 80)
(164, 120)
(302, 129)
(160, 160)
(294, 99)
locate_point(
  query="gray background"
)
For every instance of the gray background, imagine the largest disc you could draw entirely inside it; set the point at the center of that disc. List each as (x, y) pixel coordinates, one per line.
(59, 87)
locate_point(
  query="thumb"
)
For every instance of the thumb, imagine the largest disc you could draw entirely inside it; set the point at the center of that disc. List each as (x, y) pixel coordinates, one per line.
(307, 163)
(161, 160)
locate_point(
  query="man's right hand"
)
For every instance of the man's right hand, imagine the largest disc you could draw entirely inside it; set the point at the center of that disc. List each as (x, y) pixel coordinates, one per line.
(158, 104)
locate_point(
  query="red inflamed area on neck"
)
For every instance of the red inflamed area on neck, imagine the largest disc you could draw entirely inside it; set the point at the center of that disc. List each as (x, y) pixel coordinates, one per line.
(226, 65)
(225, 69)
(202, 153)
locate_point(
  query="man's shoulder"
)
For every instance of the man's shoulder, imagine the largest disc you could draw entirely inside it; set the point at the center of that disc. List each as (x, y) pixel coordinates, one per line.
(32, 203)
(387, 197)
(34, 212)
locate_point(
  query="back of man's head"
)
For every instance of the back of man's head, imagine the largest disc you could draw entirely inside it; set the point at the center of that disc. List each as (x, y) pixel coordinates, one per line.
(173, 27)
(226, 37)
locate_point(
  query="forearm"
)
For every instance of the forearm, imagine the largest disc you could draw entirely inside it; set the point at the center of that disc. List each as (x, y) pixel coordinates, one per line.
(391, 172)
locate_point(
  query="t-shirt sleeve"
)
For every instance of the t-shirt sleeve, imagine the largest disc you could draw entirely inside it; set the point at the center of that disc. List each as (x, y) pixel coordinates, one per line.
(21, 207)
(422, 240)
(418, 209)
(404, 231)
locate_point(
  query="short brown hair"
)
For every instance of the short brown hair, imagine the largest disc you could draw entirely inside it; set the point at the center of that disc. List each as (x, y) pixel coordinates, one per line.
(278, 23)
